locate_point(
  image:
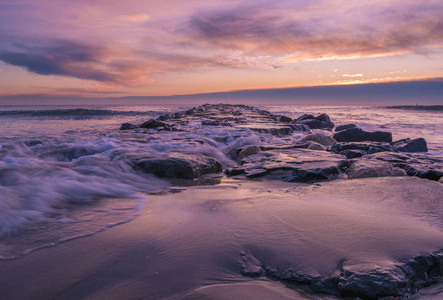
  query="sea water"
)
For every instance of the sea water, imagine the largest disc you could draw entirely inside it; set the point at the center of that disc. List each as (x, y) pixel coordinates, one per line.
(62, 175)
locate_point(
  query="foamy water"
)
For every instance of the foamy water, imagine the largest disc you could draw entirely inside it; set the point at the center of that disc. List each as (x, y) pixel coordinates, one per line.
(62, 166)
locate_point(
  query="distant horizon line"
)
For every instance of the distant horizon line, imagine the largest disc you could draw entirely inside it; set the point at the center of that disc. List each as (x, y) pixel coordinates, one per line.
(423, 92)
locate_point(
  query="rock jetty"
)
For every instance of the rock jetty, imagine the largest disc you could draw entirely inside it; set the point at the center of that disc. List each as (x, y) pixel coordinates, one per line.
(322, 153)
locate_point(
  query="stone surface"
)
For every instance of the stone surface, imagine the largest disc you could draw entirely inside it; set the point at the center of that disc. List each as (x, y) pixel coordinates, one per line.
(415, 164)
(152, 124)
(352, 153)
(178, 165)
(322, 121)
(284, 119)
(127, 126)
(370, 168)
(359, 135)
(293, 165)
(408, 145)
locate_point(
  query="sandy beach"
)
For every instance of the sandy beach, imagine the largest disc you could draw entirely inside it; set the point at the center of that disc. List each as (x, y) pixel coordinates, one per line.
(199, 242)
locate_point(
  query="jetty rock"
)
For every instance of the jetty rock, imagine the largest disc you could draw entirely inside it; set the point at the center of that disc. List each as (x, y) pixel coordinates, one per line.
(322, 121)
(408, 145)
(291, 165)
(359, 135)
(177, 165)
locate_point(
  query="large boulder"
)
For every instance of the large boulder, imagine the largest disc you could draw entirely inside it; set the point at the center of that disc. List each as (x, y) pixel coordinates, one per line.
(322, 121)
(179, 165)
(408, 145)
(372, 168)
(359, 135)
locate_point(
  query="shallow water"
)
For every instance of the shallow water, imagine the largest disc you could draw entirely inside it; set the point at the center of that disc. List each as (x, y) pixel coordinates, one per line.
(191, 244)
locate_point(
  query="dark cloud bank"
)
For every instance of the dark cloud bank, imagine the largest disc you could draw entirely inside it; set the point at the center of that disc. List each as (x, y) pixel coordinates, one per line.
(425, 92)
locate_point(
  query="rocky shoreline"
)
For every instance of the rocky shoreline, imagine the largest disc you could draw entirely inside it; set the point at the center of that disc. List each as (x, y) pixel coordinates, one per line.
(324, 152)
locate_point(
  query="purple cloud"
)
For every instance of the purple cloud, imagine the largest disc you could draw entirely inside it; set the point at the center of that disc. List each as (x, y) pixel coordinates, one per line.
(347, 31)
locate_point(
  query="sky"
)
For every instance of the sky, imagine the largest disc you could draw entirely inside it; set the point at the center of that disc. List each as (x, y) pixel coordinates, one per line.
(137, 48)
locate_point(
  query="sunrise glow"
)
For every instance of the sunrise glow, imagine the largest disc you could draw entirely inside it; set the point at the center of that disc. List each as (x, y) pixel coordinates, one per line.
(103, 48)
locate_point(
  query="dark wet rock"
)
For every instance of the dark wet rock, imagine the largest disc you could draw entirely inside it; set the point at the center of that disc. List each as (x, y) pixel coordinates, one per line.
(316, 124)
(179, 165)
(408, 145)
(127, 126)
(343, 127)
(372, 283)
(421, 171)
(320, 122)
(350, 154)
(293, 164)
(350, 135)
(324, 118)
(164, 117)
(312, 174)
(152, 123)
(320, 138)
(359, 135)
(365, 281)
(414, 164)
(284, 119)
(378, 136)
(304, 117)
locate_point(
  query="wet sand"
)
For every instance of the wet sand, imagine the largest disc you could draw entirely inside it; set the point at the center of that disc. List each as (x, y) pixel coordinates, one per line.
(192, 243)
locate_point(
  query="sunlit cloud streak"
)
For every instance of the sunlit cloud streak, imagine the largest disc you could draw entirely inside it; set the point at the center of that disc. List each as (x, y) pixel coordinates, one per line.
(72, 59)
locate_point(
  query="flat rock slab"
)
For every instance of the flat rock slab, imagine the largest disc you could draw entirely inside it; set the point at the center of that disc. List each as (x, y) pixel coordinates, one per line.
(415, 164)
(177, 165)
(293, 164)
